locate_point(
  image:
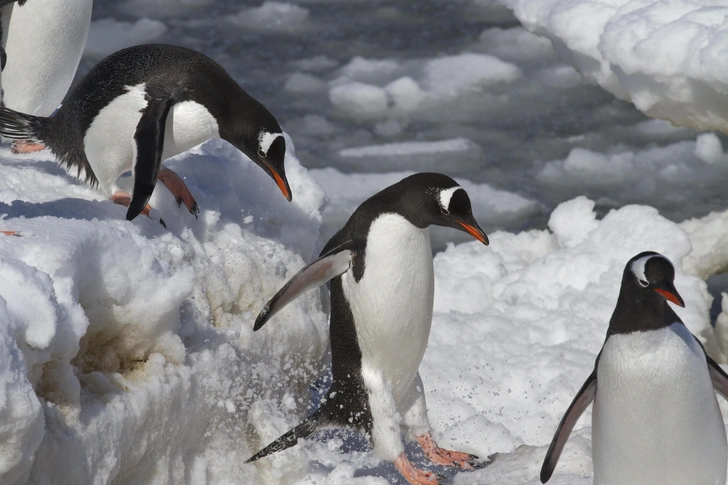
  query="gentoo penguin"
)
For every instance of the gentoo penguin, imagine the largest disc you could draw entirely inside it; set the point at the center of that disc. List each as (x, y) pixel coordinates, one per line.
(382, 283)
(656, 419)
(142, 105)
(43, 41)
(41, 66)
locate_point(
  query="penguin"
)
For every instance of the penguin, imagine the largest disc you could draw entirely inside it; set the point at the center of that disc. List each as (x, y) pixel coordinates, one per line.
(381, 287)
(142, 105)
(43, 41)
(656, 418)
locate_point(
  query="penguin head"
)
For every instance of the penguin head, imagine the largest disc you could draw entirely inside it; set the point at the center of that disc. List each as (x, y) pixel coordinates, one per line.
(433, 198)
(270, 152)
(650, 275)
(262, 142)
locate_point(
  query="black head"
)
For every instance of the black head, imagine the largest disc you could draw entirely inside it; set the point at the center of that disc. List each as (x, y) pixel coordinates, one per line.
(652, 274)
(433, 198)
(253, 130)
(647, 286)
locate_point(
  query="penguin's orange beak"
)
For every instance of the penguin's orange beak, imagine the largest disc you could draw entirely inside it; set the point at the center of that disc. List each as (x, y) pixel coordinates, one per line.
(474, 231)
(282, 183)
(672, 296)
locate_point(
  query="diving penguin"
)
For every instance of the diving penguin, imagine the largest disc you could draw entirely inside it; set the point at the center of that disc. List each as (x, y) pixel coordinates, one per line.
(142, 105)
(656, 418)
(382, 284)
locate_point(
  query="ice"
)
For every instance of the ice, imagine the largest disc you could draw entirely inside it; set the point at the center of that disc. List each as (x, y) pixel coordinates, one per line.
(662, 57)
(272, 17)
(107, 36)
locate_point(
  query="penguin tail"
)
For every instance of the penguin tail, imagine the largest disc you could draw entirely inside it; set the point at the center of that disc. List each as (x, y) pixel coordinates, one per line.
(312, 424)
(20, 126)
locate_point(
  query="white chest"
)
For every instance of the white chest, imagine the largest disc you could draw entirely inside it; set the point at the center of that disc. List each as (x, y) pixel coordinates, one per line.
(44, 40)
(109, 142)
(392, 303)
(656, 418)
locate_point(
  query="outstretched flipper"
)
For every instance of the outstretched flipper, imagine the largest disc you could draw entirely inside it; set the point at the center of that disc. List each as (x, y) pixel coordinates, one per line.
(719, 377)
(149, 139)
(333, 263)
(583, 399)
(303, 430)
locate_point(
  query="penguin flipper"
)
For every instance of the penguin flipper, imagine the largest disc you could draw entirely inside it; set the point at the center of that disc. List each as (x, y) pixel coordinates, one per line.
(719, 377)
(285, 441)
(583, 399)
(333, 263)
(149, 139)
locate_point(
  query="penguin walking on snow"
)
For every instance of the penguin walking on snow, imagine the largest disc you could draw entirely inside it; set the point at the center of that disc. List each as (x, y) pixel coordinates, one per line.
(142, 105)
(656, 418)
(382, 283)
(44, 41)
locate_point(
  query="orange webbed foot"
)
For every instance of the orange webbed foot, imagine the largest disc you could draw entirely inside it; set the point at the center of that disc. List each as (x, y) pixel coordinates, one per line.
(179, 189)
(443, 457)
(413, 475)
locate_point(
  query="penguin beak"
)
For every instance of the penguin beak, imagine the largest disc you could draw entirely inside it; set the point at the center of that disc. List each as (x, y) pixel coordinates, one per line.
(671, 294)
(281, 181)
(475, 231)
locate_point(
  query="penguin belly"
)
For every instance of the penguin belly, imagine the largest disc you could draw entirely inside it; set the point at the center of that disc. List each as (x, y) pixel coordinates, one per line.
(44, 41)
(109, 141)
(656, 418)
(392, 302)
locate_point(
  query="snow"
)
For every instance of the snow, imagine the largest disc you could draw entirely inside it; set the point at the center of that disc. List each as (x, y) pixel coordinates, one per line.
(132, 352)
(129, 355)
(663, 57)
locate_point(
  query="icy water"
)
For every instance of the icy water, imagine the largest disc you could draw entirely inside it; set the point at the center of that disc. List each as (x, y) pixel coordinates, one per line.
(324, 68)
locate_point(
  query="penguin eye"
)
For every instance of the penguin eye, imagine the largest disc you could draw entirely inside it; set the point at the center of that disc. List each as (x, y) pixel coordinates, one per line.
(261, 153)
(445, 212)
(643, 283)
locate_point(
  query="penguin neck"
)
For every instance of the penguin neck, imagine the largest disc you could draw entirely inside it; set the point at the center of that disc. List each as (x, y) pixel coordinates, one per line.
(639, 311)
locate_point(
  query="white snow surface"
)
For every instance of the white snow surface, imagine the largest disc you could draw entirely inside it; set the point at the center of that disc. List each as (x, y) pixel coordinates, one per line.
(130, 356)
(665, 57)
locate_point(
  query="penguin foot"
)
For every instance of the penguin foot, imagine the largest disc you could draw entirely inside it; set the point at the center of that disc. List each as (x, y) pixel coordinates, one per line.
(415, 476)
(26, 146)
(123, 198)
(179, 189)
(443, 457)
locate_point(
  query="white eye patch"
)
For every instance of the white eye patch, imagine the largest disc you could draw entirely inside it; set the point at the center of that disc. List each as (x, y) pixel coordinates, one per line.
(265, 140)
(638, 266)
(446, 195)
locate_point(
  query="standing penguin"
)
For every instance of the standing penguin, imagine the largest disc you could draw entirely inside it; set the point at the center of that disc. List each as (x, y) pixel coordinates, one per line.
(382, 284)
(43, 41)
(656, 419)
(142, 105)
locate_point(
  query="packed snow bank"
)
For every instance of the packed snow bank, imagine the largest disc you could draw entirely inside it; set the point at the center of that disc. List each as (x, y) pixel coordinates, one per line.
(130, 356)
(129, 351)
(666, 58)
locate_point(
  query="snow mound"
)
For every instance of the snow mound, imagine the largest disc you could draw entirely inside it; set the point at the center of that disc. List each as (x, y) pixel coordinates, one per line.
(130, 351)
(664, 57)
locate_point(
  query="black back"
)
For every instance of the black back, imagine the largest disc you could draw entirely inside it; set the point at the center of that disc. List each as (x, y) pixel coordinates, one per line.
(168, 71)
